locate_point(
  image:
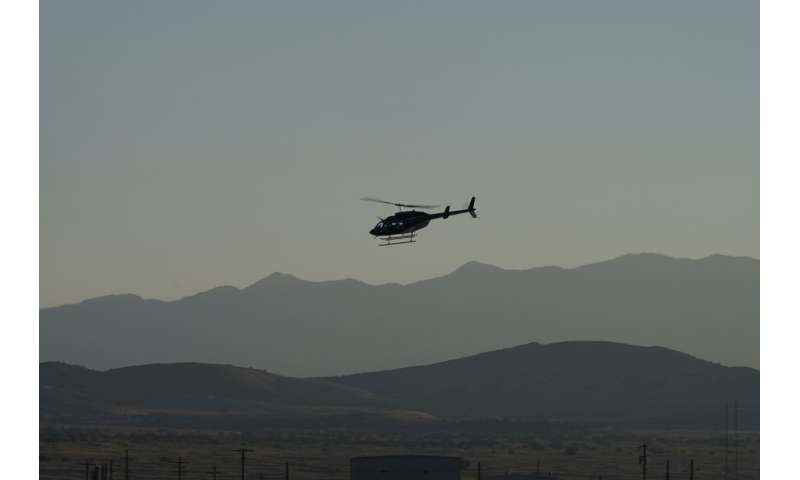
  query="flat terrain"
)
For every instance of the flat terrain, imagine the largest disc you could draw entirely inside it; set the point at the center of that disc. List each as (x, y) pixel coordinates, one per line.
(568, 450)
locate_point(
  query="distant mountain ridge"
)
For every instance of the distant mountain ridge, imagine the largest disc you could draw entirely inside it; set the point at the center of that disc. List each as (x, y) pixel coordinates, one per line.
(583, 381)
(707, 307)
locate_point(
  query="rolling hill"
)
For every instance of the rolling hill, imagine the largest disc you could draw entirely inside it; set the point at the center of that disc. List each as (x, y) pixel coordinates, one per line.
(581, 381)
(574, 380)
(706, 307)
(192, 386)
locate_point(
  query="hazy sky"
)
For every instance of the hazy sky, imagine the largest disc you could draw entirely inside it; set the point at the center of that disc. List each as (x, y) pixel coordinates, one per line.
(189, 144)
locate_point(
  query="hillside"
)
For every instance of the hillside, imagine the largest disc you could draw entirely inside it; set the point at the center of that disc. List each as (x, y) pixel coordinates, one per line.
(584, 381)
(706, 307)
(185, 386)
(575, 380)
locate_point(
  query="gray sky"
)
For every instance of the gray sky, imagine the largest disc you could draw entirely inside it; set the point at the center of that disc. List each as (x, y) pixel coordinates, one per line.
(189, 144)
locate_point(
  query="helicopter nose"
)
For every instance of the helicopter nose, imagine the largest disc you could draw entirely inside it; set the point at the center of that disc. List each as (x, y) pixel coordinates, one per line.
(374, 231)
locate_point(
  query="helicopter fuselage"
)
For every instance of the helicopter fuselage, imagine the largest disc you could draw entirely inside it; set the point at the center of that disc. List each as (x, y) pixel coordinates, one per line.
(402, 223)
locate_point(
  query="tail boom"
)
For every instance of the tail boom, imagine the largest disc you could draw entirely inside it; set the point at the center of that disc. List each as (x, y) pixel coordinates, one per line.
(447, 212)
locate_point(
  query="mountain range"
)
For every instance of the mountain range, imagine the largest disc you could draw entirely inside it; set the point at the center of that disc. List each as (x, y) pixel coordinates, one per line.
(707, 307)
(583, 381)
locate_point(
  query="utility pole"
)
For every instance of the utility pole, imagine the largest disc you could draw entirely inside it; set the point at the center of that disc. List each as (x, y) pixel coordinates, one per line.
(691, 469)
(286, 471)
(725, 468)
(180, 463)
(643, 461)
(243, 451)
(87, 464)
(479, 470)
(736, 438)
(111, 469)
(127, 459)
(667, 477)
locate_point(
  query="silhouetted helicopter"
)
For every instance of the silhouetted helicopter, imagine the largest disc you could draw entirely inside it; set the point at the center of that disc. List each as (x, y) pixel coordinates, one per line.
(400, 228)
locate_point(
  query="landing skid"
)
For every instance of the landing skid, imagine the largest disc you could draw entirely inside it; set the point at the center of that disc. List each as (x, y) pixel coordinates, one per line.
(398, 239)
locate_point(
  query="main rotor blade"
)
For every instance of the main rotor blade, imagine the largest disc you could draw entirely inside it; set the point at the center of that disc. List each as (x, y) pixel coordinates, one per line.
(378, 200)
(418, 206)
(407, 205)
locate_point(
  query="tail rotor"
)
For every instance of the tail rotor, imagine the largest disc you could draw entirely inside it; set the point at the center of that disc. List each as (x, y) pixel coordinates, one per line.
(471, 208)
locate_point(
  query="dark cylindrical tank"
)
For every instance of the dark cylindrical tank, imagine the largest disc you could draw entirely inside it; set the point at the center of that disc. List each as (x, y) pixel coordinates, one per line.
(405, 467)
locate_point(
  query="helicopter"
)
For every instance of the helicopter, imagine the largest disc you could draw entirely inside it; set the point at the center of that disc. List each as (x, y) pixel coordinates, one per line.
(401, 227)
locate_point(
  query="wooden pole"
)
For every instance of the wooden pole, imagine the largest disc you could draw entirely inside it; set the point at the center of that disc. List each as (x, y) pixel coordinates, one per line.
(643, 461)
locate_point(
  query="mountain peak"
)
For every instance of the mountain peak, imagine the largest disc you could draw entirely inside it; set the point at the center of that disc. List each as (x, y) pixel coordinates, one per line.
(634, 262)
(477, 267)
(651, 263)
(719, 258)
(216, 292)
(116, 299)
(281, 277)
(643, 257)
(277, 278)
